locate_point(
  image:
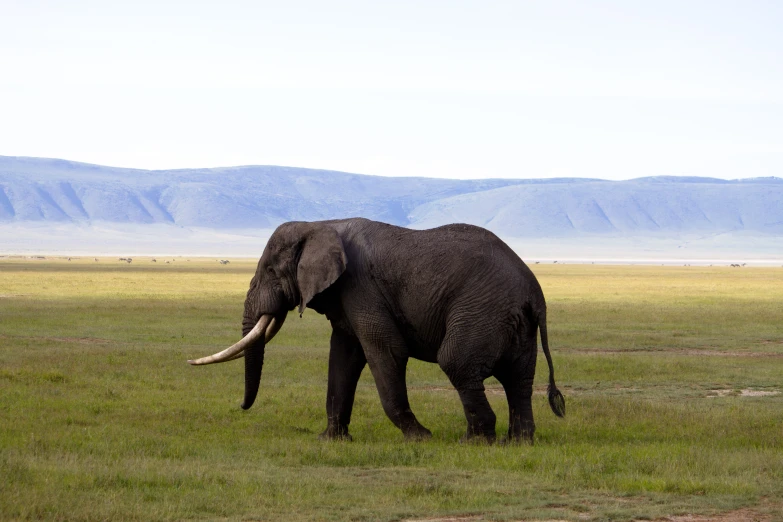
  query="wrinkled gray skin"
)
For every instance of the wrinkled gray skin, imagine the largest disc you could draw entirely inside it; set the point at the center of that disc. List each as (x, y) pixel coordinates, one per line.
(455, 295)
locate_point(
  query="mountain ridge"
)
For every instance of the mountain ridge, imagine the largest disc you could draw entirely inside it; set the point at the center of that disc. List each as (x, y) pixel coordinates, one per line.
(43, 190)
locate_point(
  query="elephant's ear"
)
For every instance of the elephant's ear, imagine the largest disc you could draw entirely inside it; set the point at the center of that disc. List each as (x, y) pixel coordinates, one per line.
(321, 262)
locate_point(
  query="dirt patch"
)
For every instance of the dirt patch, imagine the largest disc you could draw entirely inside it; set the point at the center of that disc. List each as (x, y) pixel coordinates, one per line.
(741, 515)
(444, 519)
(539, 390)
(743, 393)
(77, 340)
(499, 391)
(680, 351)
(81, 340)
(713, 353)
(489, 390)
(757, 393)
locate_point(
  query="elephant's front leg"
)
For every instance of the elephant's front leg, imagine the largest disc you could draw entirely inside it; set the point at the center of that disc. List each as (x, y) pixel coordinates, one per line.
(346, 362)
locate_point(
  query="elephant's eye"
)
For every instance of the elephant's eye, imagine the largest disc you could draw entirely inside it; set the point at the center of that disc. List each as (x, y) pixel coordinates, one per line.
(270, 270)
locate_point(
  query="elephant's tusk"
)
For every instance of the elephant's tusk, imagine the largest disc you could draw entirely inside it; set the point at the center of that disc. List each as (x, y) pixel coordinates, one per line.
(274, 327)
(260, 329)
(270, 333)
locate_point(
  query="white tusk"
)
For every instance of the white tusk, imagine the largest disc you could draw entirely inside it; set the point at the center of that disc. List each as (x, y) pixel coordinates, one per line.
(271, 331)
(229, 353)
(273, 328)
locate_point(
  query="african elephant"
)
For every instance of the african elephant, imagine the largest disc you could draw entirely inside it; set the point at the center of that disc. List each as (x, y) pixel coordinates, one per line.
(455, 295)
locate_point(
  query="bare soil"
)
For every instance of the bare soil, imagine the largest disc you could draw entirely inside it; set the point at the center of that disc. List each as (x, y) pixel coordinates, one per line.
(740, 515)
(743, 393)
(79, 340)
(680, 351)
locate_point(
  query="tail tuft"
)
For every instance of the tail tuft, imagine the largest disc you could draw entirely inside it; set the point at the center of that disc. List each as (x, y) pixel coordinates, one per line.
(556, 401)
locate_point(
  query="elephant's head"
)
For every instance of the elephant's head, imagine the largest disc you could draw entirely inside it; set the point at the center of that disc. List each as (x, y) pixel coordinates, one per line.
(300, 260)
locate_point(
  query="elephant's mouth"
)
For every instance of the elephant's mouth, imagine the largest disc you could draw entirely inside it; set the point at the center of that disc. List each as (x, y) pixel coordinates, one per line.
(266, 327)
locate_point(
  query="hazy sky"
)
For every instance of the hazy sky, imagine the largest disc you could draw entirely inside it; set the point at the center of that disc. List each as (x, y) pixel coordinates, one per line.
(466, 89)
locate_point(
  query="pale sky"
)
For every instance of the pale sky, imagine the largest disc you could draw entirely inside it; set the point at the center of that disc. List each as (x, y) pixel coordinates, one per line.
(459, 89)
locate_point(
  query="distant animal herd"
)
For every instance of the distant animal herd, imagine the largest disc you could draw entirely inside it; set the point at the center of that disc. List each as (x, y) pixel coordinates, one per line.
(130, 259)
(226, 261)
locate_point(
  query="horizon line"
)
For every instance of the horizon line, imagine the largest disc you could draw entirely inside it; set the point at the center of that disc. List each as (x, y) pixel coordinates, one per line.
(246, 166)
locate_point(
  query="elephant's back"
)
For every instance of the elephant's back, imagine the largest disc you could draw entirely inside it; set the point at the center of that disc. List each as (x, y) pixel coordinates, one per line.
(474, 251)
(450, 255)
(456, 265)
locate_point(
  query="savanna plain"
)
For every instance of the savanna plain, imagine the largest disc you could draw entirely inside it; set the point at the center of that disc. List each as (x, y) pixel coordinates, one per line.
(672, 378)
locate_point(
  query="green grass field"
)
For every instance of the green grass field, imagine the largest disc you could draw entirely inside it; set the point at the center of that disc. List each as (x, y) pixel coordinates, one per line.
(672, 377)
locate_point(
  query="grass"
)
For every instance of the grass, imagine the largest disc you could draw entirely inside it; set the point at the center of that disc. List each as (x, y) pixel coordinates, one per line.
(101, 418)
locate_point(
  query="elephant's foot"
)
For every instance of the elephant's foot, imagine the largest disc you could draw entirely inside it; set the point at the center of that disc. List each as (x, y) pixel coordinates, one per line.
(335, 433)
(417, 433)
(516, 440)
(521, 432)
(479, 439)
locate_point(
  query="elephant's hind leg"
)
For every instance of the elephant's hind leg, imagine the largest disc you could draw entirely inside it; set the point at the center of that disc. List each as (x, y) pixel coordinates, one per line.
(516, 376)
(481, 418)
(467, 363)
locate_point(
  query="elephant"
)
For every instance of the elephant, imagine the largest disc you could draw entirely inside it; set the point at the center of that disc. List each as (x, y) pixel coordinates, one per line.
(455, 295)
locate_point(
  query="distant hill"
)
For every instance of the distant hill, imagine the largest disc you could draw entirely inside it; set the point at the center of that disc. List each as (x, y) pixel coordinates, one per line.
(36, 190)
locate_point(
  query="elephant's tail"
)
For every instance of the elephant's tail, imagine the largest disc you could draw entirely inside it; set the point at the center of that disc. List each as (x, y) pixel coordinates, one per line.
(556, 399)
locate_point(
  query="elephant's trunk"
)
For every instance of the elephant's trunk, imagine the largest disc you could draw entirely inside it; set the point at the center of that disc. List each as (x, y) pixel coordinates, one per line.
(254, 361)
